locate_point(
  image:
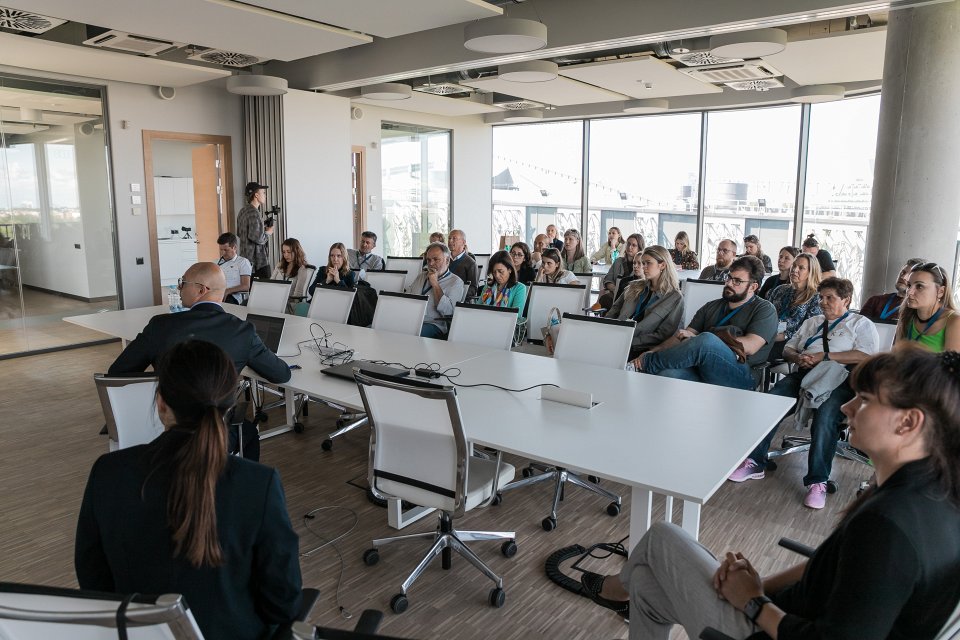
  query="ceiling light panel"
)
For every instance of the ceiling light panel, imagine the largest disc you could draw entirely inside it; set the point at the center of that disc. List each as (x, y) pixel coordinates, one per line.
(748, 44)
(505, 35)
(219, 24)
(376, 18)
(562, 91)
(851, 56)
(628, 77)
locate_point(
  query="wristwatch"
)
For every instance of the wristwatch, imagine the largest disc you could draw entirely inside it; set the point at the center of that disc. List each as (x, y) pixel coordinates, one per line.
(754, 606)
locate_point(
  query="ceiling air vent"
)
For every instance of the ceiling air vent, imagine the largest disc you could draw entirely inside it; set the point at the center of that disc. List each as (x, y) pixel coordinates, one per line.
(444, 89)
(701, 58)
(123, 41)
(756, 85)
(519, 104)
(737, 72)
(226, 58)
(27, 22)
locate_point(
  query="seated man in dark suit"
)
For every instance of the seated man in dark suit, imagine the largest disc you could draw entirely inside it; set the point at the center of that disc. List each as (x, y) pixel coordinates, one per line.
(462, 263)
(201, 290)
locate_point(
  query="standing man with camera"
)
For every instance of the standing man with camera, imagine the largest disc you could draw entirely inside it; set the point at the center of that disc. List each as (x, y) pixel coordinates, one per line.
(254, 233)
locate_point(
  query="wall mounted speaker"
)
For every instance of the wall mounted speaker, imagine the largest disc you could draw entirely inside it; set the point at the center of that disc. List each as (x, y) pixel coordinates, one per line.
(166, 93)
(356, 113)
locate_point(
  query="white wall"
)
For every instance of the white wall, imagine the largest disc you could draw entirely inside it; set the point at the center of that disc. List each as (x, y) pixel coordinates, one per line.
(317, 173)
(472, 168)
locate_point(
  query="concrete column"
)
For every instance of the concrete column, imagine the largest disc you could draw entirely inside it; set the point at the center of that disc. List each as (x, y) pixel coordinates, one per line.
(916, 185)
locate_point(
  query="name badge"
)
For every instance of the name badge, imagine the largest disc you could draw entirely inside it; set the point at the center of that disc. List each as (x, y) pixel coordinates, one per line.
(782, 326)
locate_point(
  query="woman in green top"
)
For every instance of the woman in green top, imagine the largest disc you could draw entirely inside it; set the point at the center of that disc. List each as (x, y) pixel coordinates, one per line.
(929, 315)
(575, 259)
(502, 289)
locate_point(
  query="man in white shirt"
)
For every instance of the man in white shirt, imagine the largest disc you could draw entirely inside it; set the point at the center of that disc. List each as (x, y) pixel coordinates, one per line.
(365, 259)
(443, 289)
(236, 269)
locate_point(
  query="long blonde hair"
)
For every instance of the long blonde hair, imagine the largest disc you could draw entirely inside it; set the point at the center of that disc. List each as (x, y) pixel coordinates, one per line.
(814, 277)
(668, 280)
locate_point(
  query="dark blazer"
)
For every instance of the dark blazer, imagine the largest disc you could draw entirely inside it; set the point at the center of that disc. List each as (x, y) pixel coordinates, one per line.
(347, 280)
(526, 274)
(466, 269)
(557, 244)
(124, 544)
(207, 322)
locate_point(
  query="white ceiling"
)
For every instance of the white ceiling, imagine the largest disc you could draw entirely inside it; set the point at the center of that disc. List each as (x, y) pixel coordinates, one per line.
(429, 103)
(835, 58)
(45, 55)
(385, 18)
(627, 77)
(561, 91)
(12, 99)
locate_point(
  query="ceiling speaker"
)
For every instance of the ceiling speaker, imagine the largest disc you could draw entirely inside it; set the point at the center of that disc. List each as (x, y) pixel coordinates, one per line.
(166, 93)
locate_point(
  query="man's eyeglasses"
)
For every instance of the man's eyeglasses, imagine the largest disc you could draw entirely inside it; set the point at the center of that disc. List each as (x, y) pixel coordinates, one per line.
(737, 282)
(719, 250)
(181, 282)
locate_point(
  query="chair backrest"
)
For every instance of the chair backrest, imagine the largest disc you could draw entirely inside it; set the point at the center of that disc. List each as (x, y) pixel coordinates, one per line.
(311, 274)
(587, 279)
(28, 612)
(129, 408)
(543, 296)
(483, 261)
(600, 341)
(413, 267)
(386, 280)
(418, 450)
(483, 325)
(332, 303)
(697, 293)
(399, 312)
(887, 331)
(269, 295)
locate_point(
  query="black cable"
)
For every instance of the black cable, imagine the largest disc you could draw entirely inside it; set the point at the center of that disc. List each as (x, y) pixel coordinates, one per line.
(444, 373)
(310, 515)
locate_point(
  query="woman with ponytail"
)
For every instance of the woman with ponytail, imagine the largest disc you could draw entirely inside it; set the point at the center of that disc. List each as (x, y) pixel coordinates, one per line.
(178, 515)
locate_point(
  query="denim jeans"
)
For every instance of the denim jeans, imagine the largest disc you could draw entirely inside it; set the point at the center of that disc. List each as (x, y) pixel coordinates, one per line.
(824, 431)
(702, 358)
(429, 330)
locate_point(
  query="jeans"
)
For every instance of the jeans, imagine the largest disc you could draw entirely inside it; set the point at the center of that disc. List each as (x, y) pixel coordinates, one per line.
(429, 330)
(824, 431)
(702, 358)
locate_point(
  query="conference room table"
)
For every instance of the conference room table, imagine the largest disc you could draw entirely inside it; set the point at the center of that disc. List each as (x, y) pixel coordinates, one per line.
(656, 435)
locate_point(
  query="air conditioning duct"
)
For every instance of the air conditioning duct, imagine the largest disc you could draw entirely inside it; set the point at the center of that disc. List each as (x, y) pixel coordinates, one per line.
(131, 43)
(27, 21)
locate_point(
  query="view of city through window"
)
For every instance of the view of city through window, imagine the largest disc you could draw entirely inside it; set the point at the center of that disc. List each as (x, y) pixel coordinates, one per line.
(644, 176)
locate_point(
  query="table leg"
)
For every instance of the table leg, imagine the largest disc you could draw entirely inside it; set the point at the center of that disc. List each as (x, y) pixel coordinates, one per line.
(668, 509)
(290, 408)
(641, 513)
(691, 519)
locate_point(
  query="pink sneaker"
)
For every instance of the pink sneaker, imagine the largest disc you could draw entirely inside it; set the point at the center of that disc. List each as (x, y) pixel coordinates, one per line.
(748, 470)
(816, 496)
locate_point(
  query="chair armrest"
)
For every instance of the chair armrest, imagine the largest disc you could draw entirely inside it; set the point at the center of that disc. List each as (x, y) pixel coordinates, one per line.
(496, 480)
(797, 547)
(299, 627)
(308, 600)
(369, 621)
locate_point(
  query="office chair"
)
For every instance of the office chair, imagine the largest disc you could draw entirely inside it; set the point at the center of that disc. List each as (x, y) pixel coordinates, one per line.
(332, 304)
(409, 264)
(483, 325)
(399, 312)
(394, 281)
(418, 453)
(697, 293)
(129, 408)
(586, 279)
(596, 341)
(269, 295)
(544, 296)
(300, 303)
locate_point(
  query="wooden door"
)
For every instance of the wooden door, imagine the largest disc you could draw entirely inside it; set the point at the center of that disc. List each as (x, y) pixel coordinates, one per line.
(206, 198)
(359, 193)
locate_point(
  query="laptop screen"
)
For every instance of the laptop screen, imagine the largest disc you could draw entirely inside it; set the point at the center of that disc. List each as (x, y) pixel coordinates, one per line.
(269, 328)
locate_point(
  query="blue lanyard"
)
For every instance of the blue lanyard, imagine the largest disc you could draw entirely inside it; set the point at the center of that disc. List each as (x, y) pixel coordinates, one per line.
(427, 286)
(833, 326)
(647, 300)
(887, 311)
(929, 324)
(727, 317)
(360, 263)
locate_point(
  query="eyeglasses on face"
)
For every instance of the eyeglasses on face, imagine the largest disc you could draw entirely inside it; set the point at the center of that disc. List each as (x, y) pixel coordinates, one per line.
(721, 250)
(738, 282)
(181, 282)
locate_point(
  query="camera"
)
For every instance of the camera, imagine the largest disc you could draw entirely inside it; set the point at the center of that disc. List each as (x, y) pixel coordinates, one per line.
(273, 212)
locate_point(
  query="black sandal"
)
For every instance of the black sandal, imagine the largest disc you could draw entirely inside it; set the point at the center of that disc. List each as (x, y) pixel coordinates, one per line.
(592, 585)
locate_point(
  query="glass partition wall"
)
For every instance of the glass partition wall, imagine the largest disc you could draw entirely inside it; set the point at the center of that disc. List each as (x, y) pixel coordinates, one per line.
(56, 216)
(644, 176)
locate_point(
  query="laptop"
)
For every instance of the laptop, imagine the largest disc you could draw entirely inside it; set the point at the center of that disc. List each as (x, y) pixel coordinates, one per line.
(269, 328)
(345, 370)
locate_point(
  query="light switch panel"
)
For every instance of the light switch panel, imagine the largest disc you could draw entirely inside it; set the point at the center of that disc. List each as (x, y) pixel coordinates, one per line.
(135, 187)
(135, 200)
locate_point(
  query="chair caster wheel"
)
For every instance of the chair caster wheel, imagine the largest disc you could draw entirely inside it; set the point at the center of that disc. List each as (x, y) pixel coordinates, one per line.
(298, 427)
(549, 523)
(526, 472)
(327, 444)
(399, 603)
(613, 509)
(593, 479)
(497, 499)
(832, 486)
(509, 548)
(371, 557)
(497, 597)
(260, 418)
(771, 465)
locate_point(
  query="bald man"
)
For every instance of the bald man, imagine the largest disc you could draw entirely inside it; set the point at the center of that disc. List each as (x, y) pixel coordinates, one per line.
(719, 272)
(201, 290)
(462, 263)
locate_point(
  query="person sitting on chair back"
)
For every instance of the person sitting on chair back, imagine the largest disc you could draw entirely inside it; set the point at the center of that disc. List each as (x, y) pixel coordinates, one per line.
(725, 338)
(236, 269)
(443, 288)
(179, 515)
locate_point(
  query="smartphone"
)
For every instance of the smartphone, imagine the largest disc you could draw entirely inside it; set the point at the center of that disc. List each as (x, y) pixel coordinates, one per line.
(295, 367)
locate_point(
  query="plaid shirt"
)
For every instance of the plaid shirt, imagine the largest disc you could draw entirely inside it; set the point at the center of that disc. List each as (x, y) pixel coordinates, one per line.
(253, 239)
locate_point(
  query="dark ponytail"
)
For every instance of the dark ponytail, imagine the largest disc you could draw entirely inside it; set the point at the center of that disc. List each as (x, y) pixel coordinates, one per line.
(198, 382)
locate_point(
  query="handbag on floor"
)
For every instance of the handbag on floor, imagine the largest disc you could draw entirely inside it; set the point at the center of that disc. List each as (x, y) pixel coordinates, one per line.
(551, 332)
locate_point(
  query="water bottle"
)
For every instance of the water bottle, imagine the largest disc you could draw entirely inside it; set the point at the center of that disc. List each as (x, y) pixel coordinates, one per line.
(614, 256)
(630, 367)
(173, 300)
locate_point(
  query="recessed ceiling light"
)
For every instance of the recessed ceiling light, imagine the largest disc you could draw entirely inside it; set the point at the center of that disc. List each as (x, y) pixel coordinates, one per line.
(814, 93)
(529, 71)
(387, 91)
(505, 35)
(748, 44)
(646, 105)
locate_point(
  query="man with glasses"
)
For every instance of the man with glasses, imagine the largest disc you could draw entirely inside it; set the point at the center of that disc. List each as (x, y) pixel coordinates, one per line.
(725, 338)
(443, 288)
(236, 269)
(719, 272)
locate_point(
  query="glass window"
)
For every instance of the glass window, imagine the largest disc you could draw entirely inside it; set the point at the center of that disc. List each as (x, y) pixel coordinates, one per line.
(843, 143)
(751, 181)
(537, 171)
(644, 173)
(415, 181)
(19, 197)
